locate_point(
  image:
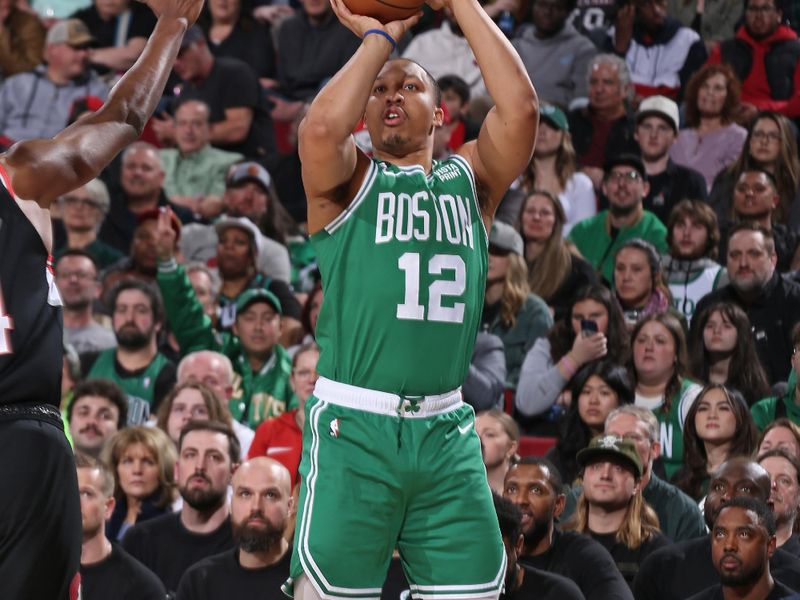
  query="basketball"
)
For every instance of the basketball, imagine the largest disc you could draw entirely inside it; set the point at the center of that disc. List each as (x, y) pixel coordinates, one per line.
(385, 10)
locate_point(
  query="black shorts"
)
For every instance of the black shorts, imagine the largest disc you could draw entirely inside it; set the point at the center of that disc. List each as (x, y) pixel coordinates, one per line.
(40, 515)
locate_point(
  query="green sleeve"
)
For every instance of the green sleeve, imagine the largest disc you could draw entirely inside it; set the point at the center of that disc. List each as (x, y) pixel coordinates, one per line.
(192, 328)
(763, 412)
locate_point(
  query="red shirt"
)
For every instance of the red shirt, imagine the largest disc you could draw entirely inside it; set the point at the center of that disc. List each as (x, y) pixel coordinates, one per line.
(281, 439)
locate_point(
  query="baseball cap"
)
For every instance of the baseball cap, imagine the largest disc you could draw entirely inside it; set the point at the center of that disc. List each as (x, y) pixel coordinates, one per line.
(554, 116)
(193, 34)
(245, 225)
(629, 160)
(250, 296)
(659, 106)
(505, 237)
(69, 31)
(611, 445)
(248, 171)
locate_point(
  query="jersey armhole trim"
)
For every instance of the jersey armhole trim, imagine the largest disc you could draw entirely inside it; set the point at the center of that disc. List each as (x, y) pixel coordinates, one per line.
(369, 178)
(464, 163)
(6, 180)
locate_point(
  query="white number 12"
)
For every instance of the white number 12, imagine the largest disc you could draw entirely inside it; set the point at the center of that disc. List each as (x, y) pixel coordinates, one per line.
(411, 309)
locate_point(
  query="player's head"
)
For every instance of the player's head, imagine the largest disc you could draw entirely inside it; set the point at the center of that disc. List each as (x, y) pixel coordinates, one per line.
(260, 504)
(403, 108)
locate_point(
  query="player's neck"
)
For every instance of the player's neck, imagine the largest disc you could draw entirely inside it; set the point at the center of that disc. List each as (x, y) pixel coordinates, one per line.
(133, 360)
(78, 318)
(198, 521)
(602, 520)
(422, 157)
(259, 560)
(95, 548)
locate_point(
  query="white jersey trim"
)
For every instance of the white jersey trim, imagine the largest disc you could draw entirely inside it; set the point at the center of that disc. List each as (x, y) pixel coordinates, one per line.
(369, 178)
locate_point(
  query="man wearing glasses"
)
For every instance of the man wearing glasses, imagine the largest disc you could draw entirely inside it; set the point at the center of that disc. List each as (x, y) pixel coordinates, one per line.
(765, 55)
(598, 237)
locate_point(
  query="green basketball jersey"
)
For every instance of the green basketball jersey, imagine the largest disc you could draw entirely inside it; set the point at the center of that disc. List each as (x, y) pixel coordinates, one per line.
(403, 275)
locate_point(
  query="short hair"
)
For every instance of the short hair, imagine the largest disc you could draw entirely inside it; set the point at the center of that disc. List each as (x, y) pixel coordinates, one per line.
(785, 423)
(642, 414)
(189, 100)
(757, 169)
(437, 92)
(213, 276)
(554, 477)
(455, 83)
(158, 444)
(234, 449)
(700, 211)
(105, 388)
(782, 453)
(617, 62)
(222, 358)
(753, 227)
(84, 461)
(148, 289)
(142, 146)
(79, 252)
(509, 517)
(765, 517)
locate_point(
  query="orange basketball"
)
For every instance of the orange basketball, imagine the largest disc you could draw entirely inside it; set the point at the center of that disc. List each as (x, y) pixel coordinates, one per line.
(385, 10)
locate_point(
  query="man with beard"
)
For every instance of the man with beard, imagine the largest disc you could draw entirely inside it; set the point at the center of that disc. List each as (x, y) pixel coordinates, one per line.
(76, 278)
(136, 365)
(657, 124)
(534, 485)
(784, 473)
(141, 177)
(755, 198)
(691, 269)
(208, 452)
(772, 302)
(599, 237)
(259, 564)
(742, 542)
(98, 410)
(686, 568)
(522, 581)
(107, 571)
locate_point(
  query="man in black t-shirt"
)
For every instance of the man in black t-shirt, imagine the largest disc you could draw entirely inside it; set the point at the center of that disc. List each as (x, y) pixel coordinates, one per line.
(534, 485)
(207, 454)
(259, 564)
(742, 542)
(107, 571)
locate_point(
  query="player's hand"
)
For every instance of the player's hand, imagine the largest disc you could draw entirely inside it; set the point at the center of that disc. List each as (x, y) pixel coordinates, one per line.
(165, 235)
(179, 9)
(359, 24)
(587, 348)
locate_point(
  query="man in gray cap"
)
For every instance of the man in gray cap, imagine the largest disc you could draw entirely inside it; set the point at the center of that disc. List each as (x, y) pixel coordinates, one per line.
(531, 318)
(38, 103)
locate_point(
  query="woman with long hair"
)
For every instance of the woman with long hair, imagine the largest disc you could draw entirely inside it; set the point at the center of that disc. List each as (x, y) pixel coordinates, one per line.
(771, 145)
(555, 272)
(499, 434)
(660, 369)
(143, 462)
(722, 351)
(638, 283)
(189, 401)
(711, 140)
(593, 328)
(510, 310)
(554, 168)
(718, 427)
(597, 389)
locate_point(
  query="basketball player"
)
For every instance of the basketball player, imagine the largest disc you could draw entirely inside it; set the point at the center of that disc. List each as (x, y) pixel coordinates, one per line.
(40, 517)
(390, 453)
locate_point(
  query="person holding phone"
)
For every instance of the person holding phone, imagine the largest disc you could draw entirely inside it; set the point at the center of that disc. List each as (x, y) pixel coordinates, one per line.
(593, 328)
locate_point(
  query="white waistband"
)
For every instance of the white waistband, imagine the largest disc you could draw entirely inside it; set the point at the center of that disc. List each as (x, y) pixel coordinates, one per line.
(384, 403)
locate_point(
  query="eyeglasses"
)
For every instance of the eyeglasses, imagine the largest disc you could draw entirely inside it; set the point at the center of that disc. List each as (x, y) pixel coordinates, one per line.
(83, 202)
(618, 176)
(764, 10)
(76, 274)
(772, 136)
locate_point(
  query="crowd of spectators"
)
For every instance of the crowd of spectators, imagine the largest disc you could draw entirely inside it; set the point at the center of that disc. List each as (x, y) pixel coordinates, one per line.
(641, 322)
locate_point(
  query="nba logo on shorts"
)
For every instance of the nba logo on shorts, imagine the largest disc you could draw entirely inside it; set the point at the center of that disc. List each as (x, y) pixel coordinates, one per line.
(333, 428)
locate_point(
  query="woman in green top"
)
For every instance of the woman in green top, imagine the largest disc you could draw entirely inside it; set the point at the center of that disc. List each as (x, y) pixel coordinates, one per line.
(718, 427)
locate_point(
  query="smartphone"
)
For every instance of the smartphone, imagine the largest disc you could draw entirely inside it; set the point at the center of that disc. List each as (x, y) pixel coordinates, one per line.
(588, 327)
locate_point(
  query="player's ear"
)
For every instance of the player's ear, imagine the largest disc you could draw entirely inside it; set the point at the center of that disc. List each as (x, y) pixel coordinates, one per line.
(438, 116)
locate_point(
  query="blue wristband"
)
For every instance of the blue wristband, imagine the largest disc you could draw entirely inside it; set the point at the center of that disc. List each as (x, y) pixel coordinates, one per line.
(384, 34)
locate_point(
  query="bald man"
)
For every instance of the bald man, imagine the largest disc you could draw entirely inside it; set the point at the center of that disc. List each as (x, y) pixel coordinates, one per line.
(259, 564)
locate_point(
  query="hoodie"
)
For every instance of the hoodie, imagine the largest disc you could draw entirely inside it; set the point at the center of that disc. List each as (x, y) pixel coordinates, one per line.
(768, 68)
(557, 64)
(690, 280)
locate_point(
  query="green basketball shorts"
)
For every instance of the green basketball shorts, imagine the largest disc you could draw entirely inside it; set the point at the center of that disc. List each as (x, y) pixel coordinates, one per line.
(381, 472)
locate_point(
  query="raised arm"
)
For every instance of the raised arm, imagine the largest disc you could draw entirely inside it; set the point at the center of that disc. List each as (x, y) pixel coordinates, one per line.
(43, 170)
(327, 149)
(505, 143)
